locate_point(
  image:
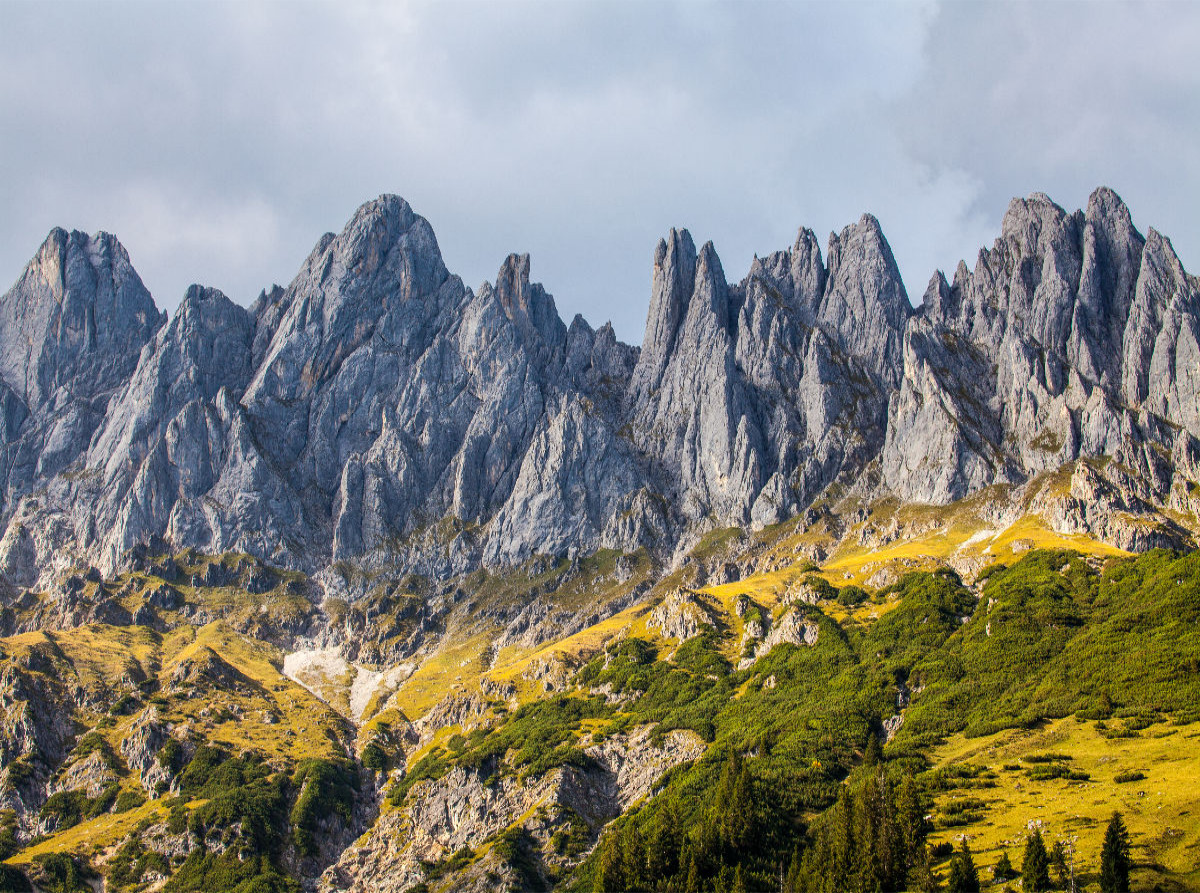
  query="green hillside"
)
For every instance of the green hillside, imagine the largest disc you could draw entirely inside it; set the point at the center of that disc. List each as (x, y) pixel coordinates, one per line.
(854, 754)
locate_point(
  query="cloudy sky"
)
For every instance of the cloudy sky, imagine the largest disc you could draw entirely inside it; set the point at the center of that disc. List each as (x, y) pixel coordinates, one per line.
(219, 140)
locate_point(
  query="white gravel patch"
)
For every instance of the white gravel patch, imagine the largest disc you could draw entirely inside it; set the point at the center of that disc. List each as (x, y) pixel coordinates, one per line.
(975, 538)
(364, 686)
(325, 673)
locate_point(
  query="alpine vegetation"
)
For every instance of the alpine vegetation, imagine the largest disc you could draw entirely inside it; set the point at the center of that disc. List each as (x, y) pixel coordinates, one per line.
(387, 583)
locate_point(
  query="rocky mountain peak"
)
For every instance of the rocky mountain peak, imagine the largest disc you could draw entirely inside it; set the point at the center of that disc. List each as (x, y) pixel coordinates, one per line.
(528, 305)
(807, 269)
(213, 333)
(350, 414)
(865, 305)
(710, 291)
(672, 282)
(77, 317)
(1104, 204)
(385, 256)
(1031, 225)
(372, 232)
(937, 293)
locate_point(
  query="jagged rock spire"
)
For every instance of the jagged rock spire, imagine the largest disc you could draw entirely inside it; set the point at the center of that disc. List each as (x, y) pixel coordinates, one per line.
(377, 406)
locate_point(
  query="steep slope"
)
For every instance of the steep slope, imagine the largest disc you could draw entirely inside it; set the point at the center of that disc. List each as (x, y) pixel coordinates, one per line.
(71, 332)
(1065, 341)
(556, 726)
(377, 410)
(750, 400)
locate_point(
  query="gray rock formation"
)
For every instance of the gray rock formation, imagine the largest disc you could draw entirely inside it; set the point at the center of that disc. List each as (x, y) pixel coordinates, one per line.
(377, 409)
(464, 808)
(71, 332)
(1066, 341)
(793, 628)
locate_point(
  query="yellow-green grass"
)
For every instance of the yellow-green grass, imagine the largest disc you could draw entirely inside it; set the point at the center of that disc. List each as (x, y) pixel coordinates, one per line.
(104, 654)
(853, 563)
(513, 666)
(926, 536)
(305, 727)
(1161, 811)
(275, 715)
(456, 667)
(98, 834)
(1031, 532)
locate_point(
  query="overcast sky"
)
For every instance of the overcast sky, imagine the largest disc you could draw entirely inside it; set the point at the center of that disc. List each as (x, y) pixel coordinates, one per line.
(218, 141)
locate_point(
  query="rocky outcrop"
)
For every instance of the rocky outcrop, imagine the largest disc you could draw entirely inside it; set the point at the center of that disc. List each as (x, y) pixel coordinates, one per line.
(682, 615)
(141, 746)
(793, 628)
(1064, 342)
(378, 410)
(36, 732)
(464, 808)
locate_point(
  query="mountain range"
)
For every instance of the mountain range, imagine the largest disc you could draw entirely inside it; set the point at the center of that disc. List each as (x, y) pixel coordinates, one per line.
(377, 410)
(388, 585)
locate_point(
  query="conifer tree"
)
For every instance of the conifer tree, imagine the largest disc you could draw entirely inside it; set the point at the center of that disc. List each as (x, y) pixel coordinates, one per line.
(1035, 866)
(793, 881)
(738, 827)
(1058, 860)
(1003, 870)
(662, 850)
(873, 752)
(869, 818)
(922, 877)
(610, 875)
(1115, 857)
(910, 822)
(739, 883)
(692, 882)
(964, 877)
(842, 861)
(633, 858)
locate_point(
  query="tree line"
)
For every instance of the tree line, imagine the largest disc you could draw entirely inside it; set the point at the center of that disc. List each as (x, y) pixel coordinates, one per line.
(874, 839)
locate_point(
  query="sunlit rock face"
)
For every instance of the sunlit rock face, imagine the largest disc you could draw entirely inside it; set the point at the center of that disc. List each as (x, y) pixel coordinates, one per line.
(379, 409)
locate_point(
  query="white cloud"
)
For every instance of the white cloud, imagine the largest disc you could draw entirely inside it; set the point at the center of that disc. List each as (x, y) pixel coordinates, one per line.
(218, 141)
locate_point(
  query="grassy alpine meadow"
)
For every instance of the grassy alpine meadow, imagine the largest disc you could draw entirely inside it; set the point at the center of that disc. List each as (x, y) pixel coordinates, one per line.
(1066, 777)
(886, 728)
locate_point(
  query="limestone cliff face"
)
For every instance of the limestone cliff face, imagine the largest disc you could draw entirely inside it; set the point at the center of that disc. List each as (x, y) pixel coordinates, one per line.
(749, 400)
(378, 409)
(1072, 337)
(71, 332)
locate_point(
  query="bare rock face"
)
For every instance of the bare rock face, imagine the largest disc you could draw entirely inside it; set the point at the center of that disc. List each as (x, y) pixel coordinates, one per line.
(378, 410)
(71, 333)
(464, 808)
(34, 733)
(76, 321)
(90, 774)
(1073, 336)
(749, 400)
(167, 441)
(681, 615)
(140, 749)
(793, 628)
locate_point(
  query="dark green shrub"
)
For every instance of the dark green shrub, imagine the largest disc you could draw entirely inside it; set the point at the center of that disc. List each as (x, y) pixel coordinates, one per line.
(128, 800)
(12, 880)
(375, 757)
(61, 873)
(170, 755)
(65, 809)
(324, 789)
